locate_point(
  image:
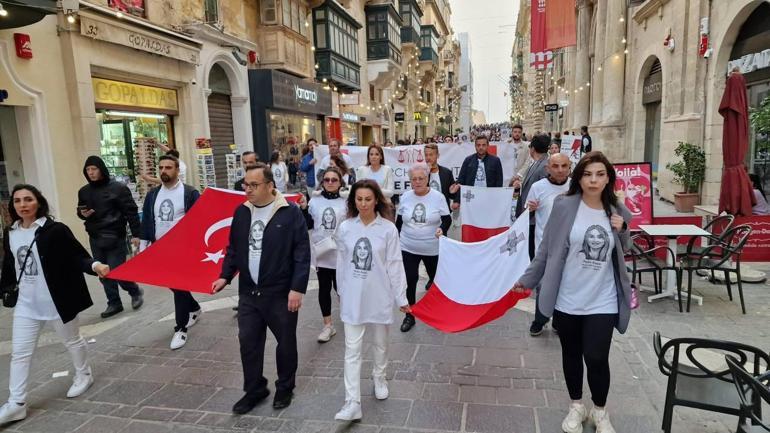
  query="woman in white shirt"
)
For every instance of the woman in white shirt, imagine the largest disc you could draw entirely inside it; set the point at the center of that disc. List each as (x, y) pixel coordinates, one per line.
(280, 172)
(370, 279)
(376, 170)
(761, 208)
(422, 217)
(324, 213)
(46, 263)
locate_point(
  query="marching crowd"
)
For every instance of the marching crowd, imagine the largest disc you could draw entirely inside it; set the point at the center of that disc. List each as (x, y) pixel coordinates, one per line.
(364, 242)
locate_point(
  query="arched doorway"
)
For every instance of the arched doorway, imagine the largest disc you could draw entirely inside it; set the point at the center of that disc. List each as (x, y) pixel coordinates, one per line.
(652, 95)
(221, 125)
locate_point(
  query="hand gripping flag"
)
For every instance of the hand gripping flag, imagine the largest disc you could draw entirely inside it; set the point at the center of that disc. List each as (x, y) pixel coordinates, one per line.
(473, 280)
(485, 212)
(189, 257)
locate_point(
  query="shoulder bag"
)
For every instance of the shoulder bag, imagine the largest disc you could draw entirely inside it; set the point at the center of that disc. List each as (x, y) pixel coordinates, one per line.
(11, 296)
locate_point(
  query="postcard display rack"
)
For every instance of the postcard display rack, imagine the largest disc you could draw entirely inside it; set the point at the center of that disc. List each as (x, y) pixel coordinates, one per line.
(144, 163)
(234, 169)
(207, 175)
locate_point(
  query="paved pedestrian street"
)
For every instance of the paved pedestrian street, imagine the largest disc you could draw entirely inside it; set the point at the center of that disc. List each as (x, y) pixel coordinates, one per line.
(496, 379)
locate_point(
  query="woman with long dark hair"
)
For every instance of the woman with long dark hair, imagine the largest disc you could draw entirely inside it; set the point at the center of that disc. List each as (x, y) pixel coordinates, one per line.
(280, 171)
(585, 286)
(371, 279)
(45, 262)
(376, 170)
(323, 214)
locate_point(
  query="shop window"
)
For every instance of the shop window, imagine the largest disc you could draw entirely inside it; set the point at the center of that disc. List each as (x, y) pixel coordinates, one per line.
(268, 12)
(133, 7)
(211, 10)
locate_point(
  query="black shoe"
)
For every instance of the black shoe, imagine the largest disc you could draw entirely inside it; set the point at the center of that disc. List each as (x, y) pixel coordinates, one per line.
(408, 323)
(282, 399)
(111, 311)
(249, 401)
(137, 301)
(536, 329)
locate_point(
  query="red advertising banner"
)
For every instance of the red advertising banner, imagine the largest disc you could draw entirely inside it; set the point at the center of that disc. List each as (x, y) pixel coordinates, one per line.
(560, 24)
(633, 187)
(757, 248)
(539, 56)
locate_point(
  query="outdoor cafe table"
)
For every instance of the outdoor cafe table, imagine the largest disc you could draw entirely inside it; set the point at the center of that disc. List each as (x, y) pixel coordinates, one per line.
(672, 232)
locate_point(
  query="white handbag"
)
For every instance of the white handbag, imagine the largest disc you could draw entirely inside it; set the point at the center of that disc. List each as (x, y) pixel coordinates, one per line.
(325, 246)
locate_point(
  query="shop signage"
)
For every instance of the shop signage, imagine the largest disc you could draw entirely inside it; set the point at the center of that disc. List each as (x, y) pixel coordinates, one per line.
(750, 62)
(350, 117)
(23, 45)
(564, 103)
(117, 94)
(633, 187)
(417, 115)
(399, 117)
(652, 90)
(305, 95)
(128, 36)
(551, 107)
(349, 98)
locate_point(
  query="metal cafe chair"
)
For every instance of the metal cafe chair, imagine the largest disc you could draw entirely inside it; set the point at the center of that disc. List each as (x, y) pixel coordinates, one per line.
(643, 259)
(718, 227)
(752, 392)
(695, 381)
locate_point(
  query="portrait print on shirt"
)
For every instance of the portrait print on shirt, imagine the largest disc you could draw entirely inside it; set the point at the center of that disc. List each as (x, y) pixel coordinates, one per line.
(30, 269)
(329, 219)
(435, 185)
(481, 175)
(596, 244)
(256, 233)
(362, 255)
(166, 210)
(419, 213)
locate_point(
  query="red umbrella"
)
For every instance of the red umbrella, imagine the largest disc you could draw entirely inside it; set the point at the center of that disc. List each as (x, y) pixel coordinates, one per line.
(737, 195)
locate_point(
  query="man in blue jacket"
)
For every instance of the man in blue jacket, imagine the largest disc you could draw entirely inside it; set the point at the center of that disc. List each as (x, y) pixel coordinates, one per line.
(271, 285)
(307, 165)
(481, 168)
(163, 207)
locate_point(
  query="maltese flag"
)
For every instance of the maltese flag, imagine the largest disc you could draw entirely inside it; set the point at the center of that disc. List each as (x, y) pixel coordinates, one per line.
(189, 257)
(473, 280)
(485, 212)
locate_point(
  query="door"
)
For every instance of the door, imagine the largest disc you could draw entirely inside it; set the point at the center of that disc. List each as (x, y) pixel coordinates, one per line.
(652, 137)
(222, 136)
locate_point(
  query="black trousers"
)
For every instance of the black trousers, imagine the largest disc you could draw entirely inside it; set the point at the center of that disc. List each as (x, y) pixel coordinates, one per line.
(412, 270)
(112, 251)
(586, 339)
(257, 314)
(327, 278)
(184, 304)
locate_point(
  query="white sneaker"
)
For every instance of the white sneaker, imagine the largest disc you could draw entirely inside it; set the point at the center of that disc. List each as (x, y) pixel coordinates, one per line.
(601, 419)
(194, 317)
(179, 340)
(80, 384)
(380, 388)
(350, 412)
(326, 334)
(573, 422)
(12, 412)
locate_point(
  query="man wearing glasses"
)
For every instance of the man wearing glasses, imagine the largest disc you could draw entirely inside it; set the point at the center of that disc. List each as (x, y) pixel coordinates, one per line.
(271, 285)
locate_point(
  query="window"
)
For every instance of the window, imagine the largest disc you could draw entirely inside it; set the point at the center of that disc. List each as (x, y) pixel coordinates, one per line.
(268, 12)
(211, 10)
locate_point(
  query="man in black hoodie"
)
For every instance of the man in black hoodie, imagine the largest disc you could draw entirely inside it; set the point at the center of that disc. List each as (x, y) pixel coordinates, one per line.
(107, 206)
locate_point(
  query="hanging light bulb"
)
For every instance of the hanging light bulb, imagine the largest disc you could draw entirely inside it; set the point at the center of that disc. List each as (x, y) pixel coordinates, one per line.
(621, 19)
(316, 66)
(335, 88)
(588, 84)
(312, 48)
(624, 40)
(71, 19)
(599, 69)
(3, 12)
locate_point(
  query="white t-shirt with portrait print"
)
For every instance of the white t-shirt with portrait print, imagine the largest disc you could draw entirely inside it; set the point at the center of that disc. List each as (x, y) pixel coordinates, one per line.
(421, 216)
(545, 192)
(327, 216)
(481, 174)
(588, 281)
(169, 208)
(435, 181)
(260, 216)
(35, 301)
(279, 175)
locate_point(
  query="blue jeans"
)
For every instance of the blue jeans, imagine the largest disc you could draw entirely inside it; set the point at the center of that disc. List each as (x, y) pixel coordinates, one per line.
(111, 250)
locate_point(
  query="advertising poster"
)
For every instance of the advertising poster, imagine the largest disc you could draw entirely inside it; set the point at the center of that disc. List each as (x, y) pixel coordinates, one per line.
(633, 187)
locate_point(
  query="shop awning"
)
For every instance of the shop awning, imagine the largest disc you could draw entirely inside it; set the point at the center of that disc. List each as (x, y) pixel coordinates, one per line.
(25, 12)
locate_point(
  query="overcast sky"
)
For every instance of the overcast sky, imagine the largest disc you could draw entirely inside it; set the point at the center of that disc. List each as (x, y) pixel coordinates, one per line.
(491, 26)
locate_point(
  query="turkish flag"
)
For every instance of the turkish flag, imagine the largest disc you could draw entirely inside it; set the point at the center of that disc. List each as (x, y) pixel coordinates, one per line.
(485, 212)
(189, 257)
(473, 280)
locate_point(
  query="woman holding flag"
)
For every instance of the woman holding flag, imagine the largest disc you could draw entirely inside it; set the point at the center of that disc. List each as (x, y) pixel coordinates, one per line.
(587, 293)
(371, 279)
(324, 213)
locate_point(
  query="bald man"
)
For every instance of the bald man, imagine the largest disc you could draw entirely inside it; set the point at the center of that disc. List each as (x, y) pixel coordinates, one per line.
(540, 201)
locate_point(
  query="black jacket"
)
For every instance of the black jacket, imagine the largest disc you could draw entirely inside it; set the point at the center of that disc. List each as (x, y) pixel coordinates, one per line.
(239, 184)
(112, 203)
(492, 166)
(64, 260)
(447, 179)
(287, 265)
(148, 211)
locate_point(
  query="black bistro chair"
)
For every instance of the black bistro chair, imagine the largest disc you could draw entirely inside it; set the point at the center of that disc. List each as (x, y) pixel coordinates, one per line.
(693, 383)
(752, 392)
(643, 259)
(717, 227)
(722, 255)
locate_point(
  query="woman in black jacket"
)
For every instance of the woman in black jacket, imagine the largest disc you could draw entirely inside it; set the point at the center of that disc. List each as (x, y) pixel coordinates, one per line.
(46, 262)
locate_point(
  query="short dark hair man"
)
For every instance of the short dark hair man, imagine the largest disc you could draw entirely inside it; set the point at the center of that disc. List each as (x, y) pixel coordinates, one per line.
(441, 178)
(586, 144)
(249, 158)
(164, 206)
(270, 285)
(480, 169)
(107, 206)
(538, 150)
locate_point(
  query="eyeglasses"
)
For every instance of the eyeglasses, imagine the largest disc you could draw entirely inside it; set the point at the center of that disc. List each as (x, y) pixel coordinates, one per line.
(331, 180)
(252, 185)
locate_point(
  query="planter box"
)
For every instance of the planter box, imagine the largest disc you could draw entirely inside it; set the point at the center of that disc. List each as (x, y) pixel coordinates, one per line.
(686, 202)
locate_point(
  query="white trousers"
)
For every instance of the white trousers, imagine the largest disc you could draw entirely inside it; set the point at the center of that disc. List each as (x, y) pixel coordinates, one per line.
(25, 334)
(354, 342)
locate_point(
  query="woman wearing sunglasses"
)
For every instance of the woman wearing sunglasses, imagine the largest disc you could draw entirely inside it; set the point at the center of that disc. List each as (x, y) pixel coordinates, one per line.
(324, 213)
